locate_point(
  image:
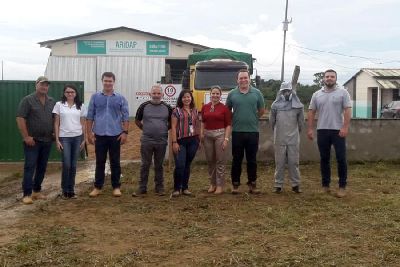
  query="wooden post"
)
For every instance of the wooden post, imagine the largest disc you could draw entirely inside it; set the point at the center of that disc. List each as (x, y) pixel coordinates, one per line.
(295, 77)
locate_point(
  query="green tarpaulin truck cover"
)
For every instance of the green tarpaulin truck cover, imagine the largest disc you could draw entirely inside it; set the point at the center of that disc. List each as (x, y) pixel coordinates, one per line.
(219, 53)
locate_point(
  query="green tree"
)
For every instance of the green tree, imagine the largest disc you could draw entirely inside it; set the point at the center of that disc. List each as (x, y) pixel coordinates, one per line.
(271, 87)
(305, 93)
(318, 78)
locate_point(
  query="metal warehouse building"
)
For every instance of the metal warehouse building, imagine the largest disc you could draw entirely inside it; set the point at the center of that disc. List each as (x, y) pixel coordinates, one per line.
(137, 58)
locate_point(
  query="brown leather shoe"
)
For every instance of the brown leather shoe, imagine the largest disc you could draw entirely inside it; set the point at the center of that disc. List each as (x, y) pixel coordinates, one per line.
(186, 192)
(326, 189)
(38, 196)
(140, 193)
(117, 192)
(95, 192)
(253, 189)
(27, 200)
(341, 193)
(160, 193)
(175, 193)
(235, 190)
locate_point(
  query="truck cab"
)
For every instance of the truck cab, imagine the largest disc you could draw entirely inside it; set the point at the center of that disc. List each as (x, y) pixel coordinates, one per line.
(216, 66)
(207, 73)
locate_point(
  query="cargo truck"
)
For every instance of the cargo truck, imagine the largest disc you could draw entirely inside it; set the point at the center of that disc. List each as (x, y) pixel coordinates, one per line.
(214, 67)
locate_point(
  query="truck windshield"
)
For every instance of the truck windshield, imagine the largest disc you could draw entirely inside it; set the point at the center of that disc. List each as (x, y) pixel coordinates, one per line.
(226, 79)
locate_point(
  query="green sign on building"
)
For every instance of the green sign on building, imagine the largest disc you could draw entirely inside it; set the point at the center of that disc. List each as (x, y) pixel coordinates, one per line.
(157, 48)
(120, 47)
(91, 47)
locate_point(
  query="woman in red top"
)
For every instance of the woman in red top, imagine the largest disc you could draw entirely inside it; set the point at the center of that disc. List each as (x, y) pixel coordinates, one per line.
(216, 120)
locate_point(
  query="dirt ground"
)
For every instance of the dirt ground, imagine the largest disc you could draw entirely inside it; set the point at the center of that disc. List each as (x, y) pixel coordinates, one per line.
(308, 229)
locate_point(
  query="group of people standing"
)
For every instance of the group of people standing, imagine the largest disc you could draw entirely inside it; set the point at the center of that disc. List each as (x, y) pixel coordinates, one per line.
(105, 124)
(210, 128)
(41, 120)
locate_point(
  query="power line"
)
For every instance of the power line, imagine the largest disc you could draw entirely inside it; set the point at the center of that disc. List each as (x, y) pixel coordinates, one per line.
(372, 59)
(330, 63)
(268, 65)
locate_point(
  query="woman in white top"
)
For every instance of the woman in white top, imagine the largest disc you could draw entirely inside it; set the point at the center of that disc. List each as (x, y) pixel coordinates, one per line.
(69, 129)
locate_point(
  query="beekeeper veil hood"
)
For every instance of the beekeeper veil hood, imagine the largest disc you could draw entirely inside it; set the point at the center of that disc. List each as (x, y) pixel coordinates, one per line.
(286, 98)
(286, 91)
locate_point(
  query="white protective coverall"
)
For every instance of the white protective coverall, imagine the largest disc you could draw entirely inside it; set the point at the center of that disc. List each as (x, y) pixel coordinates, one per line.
(287, 119)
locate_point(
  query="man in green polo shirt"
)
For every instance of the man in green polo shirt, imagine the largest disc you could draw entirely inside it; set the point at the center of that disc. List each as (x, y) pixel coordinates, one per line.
(247, 104)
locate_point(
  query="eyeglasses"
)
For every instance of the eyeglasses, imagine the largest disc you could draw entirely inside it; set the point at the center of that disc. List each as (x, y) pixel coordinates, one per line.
(69, 92)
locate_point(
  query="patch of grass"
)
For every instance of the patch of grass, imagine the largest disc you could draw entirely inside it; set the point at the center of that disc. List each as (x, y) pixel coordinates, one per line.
(308, 229)
(43, 247)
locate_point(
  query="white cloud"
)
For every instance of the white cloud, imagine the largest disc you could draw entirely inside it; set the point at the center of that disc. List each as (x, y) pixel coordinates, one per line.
(265, 46)
(360, 27)
(154, 7)
(23, 51)
(19, 71)
(27, 14)
(263, 17)
(216, 43)
(22, 59)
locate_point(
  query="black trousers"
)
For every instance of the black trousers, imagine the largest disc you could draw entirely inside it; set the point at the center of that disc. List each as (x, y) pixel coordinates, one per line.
(244, 143)
(325, 139)
(107, 145)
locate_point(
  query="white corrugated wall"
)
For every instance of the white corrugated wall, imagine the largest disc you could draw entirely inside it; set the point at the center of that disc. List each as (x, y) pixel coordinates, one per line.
(133, 74)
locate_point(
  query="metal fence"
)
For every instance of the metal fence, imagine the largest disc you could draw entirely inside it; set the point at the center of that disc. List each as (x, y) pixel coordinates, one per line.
(11, 93)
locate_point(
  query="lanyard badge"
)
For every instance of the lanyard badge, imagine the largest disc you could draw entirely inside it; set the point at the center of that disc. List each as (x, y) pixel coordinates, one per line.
(191, 128)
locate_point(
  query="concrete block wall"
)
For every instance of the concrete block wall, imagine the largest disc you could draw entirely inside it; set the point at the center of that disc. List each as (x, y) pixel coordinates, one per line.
(368, 140)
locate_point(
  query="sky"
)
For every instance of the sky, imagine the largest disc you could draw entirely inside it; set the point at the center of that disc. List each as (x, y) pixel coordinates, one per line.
(345, 35)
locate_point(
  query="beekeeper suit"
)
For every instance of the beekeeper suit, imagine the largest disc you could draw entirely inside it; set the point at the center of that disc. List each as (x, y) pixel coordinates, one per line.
(287, 118)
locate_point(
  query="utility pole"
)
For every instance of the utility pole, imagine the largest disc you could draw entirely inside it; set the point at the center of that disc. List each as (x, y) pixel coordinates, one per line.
(285, 28)
(2, 77)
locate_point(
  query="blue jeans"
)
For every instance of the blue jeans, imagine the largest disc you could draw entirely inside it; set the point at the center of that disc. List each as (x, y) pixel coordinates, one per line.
(244, 143)
(187, 151)
(70, 152)
(36, 158)
(325, 139)
(112, 146)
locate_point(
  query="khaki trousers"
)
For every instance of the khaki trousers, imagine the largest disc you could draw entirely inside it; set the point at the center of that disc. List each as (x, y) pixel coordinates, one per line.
(216, 157)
